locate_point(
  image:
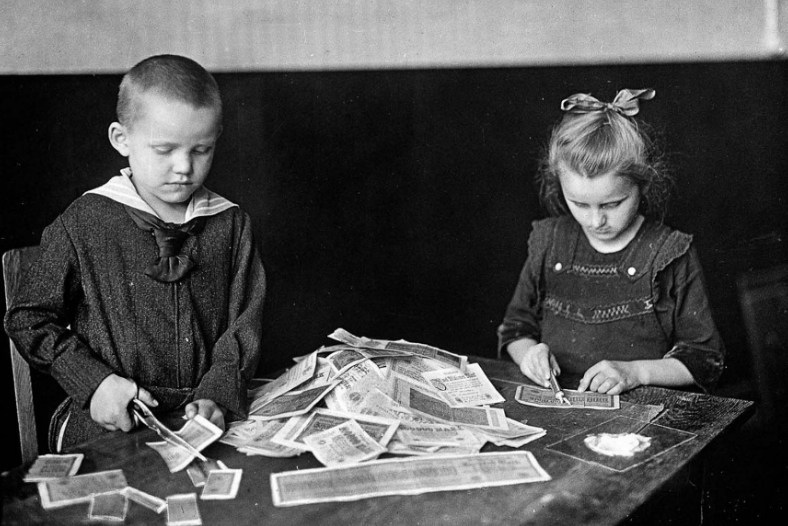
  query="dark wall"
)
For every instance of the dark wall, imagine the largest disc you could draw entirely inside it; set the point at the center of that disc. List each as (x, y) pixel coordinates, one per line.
(397, 204)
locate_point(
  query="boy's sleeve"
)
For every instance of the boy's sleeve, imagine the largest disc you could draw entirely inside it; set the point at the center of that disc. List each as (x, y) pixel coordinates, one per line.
(524, 313)
(236, 354)
(39, 316)
(696, 341)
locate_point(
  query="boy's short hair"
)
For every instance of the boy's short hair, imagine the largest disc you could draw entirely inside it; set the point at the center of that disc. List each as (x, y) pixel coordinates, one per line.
(171, 76)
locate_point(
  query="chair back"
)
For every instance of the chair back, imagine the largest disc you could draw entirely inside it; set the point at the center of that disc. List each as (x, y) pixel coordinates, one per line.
(15, 264)
(763, 295)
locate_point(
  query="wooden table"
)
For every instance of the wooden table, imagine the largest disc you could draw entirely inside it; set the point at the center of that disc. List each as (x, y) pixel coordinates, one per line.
(579, 492)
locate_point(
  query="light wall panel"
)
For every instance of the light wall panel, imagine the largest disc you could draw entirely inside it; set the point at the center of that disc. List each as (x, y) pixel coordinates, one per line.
(94, 36)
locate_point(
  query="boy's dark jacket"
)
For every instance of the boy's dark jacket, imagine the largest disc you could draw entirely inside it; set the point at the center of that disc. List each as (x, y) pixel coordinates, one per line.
(86, 309)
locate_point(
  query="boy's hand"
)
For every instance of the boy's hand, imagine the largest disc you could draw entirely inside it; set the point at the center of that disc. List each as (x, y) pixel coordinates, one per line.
(611, 377)
(537, 360)
(109, 405)
(207, 409)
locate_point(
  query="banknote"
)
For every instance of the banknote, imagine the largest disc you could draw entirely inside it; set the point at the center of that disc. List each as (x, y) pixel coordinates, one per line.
(324, 375)
(293, 433)
(469, 388)
(353, 384)
(416, 399)
(291, 404)
(344, 444)
(541, 397)
(65, 491)
(199, 470)
(419, 349)
(518, 434)
(151, 502)
(344, 359)
(222, 484)
(410, 476)
(108, 506)
(302, 372)
(182, 510)
(414, 434)
(47, 467)
(198, 432)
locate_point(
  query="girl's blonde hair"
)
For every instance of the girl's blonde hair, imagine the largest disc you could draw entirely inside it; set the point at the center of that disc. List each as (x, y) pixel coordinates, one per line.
(602, 141)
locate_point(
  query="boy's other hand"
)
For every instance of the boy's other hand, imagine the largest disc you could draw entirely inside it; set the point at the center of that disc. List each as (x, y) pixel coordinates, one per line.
(610, 377)
(109, 405)
(207, 409)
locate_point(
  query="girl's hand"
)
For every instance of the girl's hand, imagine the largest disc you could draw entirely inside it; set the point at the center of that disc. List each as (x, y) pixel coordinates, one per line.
(207, 409)
(109, 405)
(611, 377)
(536, 363)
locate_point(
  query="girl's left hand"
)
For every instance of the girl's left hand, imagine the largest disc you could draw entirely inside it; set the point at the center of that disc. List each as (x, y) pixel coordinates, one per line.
(610, 377)
(207, 409)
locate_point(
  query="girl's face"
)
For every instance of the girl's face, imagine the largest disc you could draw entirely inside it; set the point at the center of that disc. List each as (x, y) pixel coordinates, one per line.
(606, 206)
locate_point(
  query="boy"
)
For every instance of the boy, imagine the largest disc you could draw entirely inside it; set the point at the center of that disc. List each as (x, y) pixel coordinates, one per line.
(149, 286)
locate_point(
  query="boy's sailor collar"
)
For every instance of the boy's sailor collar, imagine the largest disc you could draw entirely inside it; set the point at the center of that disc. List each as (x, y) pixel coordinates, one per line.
(120, 189)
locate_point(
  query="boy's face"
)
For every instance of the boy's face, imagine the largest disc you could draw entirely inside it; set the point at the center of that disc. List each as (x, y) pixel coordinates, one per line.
(170, 146)
(606, 206)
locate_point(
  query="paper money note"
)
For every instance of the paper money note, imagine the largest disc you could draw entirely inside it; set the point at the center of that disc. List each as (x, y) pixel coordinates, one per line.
(302, 372)
(291, 404)
(346, 443)
(182, 510)
(414, 434)
(199, 470)
(411, 476)
(416, 399)
(151, 502)
(65, 491)
(111, 505)
(541, 397)
(469, 388)
(293, 432)
(426, 351)
(47, 467)
(222, 484)
(198, 432)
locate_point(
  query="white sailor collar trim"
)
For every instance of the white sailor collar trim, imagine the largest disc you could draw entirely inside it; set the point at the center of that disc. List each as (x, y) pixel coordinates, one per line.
(120, 189)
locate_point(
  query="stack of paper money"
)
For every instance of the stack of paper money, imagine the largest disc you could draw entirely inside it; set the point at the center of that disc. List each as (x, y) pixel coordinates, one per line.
(108, 494)
(354, 401)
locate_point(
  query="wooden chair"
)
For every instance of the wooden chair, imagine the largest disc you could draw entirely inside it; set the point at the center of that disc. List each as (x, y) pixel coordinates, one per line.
(15, 264)
(763, 295)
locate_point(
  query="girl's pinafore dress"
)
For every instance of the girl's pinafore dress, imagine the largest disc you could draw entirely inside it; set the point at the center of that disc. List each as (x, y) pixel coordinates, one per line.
(602, 306)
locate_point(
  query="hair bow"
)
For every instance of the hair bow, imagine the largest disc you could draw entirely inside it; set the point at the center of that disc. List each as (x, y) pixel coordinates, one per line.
(626, 102)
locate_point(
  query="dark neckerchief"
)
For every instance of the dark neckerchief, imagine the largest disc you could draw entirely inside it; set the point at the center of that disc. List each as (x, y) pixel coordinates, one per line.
(171, 265)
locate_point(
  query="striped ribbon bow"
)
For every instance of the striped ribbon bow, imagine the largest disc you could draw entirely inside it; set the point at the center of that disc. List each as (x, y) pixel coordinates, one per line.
(626, 102)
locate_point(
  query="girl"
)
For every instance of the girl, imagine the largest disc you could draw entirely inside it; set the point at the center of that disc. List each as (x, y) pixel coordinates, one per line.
(609, 292)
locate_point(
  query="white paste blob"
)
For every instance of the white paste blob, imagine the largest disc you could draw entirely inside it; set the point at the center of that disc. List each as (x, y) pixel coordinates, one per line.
(617, 444)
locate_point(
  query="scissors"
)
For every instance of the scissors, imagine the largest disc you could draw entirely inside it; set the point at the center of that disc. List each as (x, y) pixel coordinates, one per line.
(557, 391)
(144, 415)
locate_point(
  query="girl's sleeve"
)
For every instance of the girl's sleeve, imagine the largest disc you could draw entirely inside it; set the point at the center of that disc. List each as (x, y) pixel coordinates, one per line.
(38, 319)
(696, 341)
(524, 314)
(236, 354)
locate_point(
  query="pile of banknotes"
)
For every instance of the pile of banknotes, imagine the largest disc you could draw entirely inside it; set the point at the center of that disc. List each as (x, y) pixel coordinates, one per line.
(361, 398)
